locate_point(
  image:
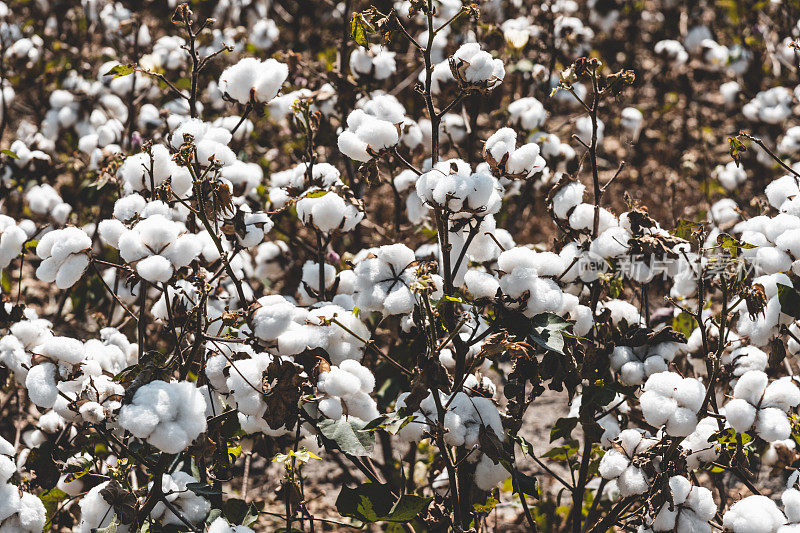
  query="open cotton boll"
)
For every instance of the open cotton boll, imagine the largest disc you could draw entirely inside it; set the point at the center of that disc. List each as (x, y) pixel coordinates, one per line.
(672, 401)
(481, 284)
(377, 62)
(365, 135)
(754, 514)
(528, 112)
(191, 506)
(250, 77)
(730, 176)
(697, 443)
(383, 282)
(168, 415)
(44, 200)
(489, 474)
(328, 212)
(220, 525)
(12, 237)
(477, 67)
(96, 512)
(567, 197)
(450, 185)
(144, 171)
(62, 259)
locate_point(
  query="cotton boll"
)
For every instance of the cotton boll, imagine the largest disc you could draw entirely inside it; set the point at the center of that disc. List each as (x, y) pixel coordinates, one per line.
(740, 415)
(613, 464)
(476, 67)
(751, 386)
(754, 514)
(631, 482)
(41, 385)
(772, 425)
(169, 415)
(481, 284)
(488, 474)
(155, 268)
(250, 77)
(566, 198)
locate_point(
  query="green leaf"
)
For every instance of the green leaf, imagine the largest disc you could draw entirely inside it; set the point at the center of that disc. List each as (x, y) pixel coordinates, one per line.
(5, 282)
(237, 511)
(737, 148)
(348, 435)
(524, 445)
(359, 28)
(686, 228)
(9, 153)
(121, 70)
(684, 323)
(563, 428)
(374, 502)
(546, 331)
(789, 300)
(524, 484)
(51, 499)
(203, 489)
(486, 508)
(731, 244)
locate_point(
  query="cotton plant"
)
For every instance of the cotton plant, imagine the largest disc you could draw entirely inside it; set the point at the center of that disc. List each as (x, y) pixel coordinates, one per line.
(762, 406)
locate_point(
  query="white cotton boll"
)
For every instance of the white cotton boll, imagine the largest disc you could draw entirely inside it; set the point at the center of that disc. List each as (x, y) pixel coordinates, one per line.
(771, 260)
(782, 394)
(250, 77)
(528, 112)
(501, 143)
(631, 120)
(110, 231)
(772, 425)
(740, 415)
(41, 385)
(632, 481)
(128, 207)
(582, 315)
(680, 488)
(220, 525)
(338, 382)
(613, 464)
(477, 66)
(657, 409)
(754, 514)
(155, 268)
(179, 411)
(64, 349)
(751, 386)
(488, 474)
(481, 284)
(566, 198)
(682, 422)
(331, 408)
(782, 189)
(791, 504)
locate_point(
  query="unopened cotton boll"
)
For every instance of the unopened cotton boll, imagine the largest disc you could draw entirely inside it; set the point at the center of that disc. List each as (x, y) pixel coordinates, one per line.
(251, 78)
